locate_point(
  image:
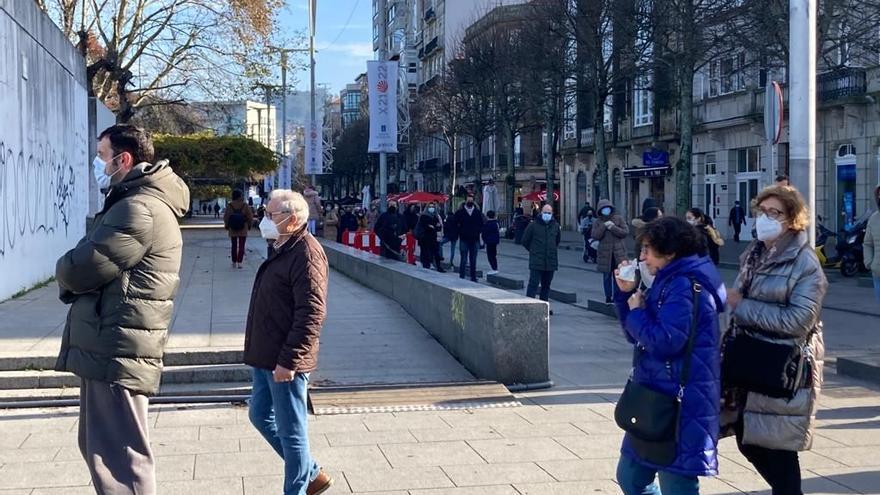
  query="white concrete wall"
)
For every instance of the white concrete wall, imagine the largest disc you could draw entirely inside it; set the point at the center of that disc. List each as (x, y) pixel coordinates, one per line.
(43, 146)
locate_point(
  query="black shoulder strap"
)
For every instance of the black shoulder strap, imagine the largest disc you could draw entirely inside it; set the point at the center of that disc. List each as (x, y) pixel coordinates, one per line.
(696, 288)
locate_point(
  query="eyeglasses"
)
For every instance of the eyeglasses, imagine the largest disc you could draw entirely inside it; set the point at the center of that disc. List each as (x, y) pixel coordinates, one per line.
(772, 213)
(270, 213)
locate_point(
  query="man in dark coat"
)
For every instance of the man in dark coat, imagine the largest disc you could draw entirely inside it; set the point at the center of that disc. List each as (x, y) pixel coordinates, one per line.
(391, 227)
(347, 222)
(120, 281)
(541, 240)
(737, 219)
(282, 337)
(412, 217)
(426, 230)
(469, 223)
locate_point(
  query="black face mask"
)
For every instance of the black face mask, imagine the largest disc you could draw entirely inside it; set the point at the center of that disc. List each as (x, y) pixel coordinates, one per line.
(392, 209)
(469, 204)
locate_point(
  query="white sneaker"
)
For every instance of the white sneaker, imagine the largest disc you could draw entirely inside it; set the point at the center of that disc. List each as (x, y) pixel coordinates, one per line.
(492, 272)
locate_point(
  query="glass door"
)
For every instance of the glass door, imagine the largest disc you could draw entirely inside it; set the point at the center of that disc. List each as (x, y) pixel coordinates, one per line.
(746, 191)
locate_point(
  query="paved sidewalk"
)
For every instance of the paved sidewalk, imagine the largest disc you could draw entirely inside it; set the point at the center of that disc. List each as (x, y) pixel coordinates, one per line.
(561, 441)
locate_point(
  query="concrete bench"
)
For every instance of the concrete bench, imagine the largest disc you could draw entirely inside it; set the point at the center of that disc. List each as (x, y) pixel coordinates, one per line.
(496, 335)
(505, 281)
(601, 307)
(563, 296)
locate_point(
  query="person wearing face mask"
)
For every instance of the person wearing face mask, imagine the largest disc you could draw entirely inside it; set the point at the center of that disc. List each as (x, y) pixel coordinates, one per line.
(469, 224)
(673, 327)
(237, 220)
(282, 338)
(703, 224)
(348, 222)
(773, 351)
(426, 231)
(120, 281)
(871, 245)
(541, 240)
(391, 227)
(610, 230)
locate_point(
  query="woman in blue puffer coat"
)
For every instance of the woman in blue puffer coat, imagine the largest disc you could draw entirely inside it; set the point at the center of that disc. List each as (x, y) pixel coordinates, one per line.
(657, 319)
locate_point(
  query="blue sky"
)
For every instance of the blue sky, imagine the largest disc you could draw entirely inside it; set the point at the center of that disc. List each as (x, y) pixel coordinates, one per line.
(337, 62)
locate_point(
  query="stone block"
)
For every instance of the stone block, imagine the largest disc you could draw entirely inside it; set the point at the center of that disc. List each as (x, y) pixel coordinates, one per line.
(563, 296)
(862, 367)
(505, 281)
(494, 334)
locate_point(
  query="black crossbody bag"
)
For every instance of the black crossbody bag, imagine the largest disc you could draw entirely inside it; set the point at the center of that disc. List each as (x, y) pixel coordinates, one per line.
(651, 417)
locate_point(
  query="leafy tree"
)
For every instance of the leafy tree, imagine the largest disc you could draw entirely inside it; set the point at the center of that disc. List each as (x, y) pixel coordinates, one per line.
(229, 158)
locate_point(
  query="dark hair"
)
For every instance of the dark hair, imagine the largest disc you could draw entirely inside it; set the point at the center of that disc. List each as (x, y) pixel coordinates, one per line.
(490, 213)
(651, 213)
(698, 214)
(671, 235)
(781, 177)
(131, 139)
(236, 194)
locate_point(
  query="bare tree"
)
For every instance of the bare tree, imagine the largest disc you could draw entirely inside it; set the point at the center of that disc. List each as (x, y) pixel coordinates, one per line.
(142, 53)
(439, 116)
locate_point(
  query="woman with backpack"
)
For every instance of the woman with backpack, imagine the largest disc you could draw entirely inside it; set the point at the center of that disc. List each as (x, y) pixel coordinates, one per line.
(237, 220)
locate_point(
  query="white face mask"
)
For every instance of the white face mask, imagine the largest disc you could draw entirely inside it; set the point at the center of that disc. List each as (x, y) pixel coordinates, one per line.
(98, 169)
(767, 228)
(546, 216)
(647, 276)
(692, 222)
(268, 229)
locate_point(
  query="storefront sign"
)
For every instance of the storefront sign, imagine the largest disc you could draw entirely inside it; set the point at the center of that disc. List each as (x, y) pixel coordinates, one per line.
(655, 158)
(636, 172)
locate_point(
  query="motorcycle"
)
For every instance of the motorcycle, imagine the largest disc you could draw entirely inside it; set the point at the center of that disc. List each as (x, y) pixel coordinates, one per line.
(852, 257)
(822, 250)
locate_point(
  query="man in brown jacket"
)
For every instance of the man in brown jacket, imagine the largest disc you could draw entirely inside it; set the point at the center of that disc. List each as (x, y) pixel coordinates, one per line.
(288, 305)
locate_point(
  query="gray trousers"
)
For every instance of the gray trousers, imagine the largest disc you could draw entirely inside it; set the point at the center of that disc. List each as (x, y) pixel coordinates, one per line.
(114, 441)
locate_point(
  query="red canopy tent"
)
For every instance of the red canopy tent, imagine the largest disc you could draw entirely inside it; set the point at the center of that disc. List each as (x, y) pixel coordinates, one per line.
(422, 197)
(539, 196)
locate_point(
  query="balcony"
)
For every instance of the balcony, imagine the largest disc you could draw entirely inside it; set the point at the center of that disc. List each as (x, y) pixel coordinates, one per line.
(587, 138)
(430, 15)
(432, 45)
(842, 83)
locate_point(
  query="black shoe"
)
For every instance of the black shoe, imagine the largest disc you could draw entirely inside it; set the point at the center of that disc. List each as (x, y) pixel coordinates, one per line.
(441, 270)
(607, 300)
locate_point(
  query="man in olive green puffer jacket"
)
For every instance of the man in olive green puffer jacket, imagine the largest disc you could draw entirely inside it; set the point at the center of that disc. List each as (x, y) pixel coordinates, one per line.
(120, 281)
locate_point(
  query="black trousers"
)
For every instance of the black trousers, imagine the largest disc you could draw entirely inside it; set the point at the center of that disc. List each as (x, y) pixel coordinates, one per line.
(468, 251)
(428, 252)
(492, 254)
(545, 277)
(736, 230)
(779, 468)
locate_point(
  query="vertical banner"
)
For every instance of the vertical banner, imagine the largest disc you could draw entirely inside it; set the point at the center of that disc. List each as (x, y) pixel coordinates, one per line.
(314, 149)
(267, 183)
(382, 81)
(284, 173)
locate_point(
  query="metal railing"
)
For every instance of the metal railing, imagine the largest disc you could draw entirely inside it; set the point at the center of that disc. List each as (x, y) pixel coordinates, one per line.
(842, 82)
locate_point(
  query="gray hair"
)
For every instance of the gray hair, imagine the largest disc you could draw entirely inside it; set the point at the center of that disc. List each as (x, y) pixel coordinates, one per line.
(292, 202)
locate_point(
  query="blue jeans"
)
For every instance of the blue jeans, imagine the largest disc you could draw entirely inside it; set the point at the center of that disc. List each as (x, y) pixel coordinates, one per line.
(280, 413)
(636, 479)
(877, 288)
(452, 244)
(608, 284)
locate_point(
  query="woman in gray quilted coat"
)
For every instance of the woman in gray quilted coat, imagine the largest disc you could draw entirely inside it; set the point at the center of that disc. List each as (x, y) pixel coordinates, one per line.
(777, 297)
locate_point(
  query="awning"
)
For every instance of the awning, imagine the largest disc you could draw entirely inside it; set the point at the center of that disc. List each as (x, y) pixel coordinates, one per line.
(635, 172)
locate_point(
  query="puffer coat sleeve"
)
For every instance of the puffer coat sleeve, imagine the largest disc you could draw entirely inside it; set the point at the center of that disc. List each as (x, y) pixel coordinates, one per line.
(117, 244)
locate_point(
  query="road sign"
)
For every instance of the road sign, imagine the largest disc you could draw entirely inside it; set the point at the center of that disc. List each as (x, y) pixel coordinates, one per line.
(773, 112)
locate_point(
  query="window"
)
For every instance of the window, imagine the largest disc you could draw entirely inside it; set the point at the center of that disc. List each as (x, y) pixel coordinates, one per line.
(711, 167)
(727, 75)
(570, 116)
(748, 160)
(643, 102)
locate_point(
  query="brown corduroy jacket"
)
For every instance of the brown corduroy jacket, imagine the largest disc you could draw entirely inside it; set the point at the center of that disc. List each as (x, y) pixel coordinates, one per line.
(288, 306)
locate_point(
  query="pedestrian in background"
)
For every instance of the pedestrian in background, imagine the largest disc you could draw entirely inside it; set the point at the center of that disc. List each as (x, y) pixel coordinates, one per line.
(348, 222)
(491, 238)
(541, 240)
(871, 245)
(216, 210)
(674, 330)
(238, 219)
(711, 237)
(331, 224)
(491, 197)
(610, 230)
(737, 219)
(426, 231)
(120, 281)
(773, 351)
(411, 215)
(450, 235)
(390, 228)
(372, 215)
(648, 214)
(520, 222)
(282, 336)
(469, 223)
(585, 226)
(315, 209)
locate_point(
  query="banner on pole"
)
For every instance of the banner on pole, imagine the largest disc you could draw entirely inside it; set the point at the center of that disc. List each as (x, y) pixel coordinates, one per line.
(284, 173)
(267, 183)
(382, 80)
(314, 150)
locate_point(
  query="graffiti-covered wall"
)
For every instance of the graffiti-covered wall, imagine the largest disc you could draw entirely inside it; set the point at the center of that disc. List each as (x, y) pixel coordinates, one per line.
(43, 146)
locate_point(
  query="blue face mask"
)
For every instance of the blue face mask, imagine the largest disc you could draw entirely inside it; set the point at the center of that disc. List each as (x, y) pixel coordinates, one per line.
(546, 216)
(605, 211)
